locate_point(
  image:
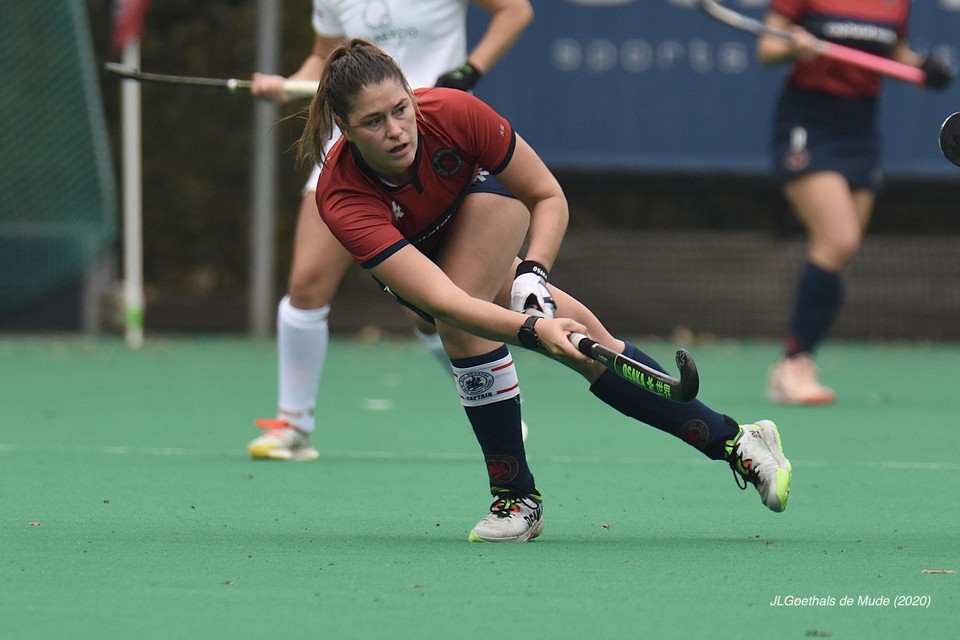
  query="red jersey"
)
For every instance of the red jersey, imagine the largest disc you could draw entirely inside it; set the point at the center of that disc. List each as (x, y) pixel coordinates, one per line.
(875, 26)
(458, 134)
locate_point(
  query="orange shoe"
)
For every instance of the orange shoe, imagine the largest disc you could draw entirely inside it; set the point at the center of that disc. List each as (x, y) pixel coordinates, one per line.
(794, 381)
(281, 441)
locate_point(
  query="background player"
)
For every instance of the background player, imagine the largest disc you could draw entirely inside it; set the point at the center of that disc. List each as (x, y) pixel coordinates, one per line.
(428, 38)
(826, 153)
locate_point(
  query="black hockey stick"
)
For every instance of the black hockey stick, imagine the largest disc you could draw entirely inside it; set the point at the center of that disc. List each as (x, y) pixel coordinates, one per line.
(683, 389)
(302, 88)
(856, 57)
(950, 138)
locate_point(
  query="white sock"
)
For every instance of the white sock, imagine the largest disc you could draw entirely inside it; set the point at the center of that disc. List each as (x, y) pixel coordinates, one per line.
(435, 346)
(302, 339)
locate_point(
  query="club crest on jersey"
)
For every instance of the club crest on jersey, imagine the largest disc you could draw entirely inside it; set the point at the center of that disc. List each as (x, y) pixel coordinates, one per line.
(446, 162)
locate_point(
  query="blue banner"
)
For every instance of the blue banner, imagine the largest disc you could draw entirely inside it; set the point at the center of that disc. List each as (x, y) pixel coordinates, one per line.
(659, 85)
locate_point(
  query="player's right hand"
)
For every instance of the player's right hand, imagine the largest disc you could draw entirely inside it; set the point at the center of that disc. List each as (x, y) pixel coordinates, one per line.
(805, 44)
(555, 338)
(270, 87)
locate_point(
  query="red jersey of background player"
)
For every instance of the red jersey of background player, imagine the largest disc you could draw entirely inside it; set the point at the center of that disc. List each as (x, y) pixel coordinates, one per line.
(458, 134)
(874, 26)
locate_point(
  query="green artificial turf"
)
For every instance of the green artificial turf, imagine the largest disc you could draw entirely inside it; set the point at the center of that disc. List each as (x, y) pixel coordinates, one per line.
(129, 509)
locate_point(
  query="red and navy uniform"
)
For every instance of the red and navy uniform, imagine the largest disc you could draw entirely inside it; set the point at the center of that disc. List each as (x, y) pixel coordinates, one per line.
(458, 134)
(826, 115)
(874, 26)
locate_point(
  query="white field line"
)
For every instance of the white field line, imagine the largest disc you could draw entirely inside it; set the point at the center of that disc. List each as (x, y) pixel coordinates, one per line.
(898, 465)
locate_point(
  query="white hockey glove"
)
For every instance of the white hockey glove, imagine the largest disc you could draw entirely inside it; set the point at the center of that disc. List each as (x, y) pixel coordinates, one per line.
(529, 293)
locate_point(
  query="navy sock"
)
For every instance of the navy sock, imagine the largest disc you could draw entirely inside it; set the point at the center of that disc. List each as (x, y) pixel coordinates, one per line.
(497, 428)
(818, 301)
(693, 422)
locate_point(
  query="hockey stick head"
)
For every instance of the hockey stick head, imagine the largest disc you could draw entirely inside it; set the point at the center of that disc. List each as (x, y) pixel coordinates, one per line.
(689, 377)
(950, 138)
(682, 389)
(121, 70)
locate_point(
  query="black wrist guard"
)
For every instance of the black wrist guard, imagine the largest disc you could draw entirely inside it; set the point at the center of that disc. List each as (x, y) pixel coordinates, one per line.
(529, 266)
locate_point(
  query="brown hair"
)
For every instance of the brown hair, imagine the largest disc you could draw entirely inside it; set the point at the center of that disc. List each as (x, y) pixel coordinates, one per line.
(353, 65)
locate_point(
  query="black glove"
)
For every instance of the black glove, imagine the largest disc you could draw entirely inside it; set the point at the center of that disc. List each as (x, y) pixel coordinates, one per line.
(464, 77)
(938, 72)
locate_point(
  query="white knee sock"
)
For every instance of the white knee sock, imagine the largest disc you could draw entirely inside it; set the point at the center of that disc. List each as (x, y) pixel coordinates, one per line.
(435, 346)
(302, 339)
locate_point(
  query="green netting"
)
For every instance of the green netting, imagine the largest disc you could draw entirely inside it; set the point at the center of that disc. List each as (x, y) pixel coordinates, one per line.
(57, 193)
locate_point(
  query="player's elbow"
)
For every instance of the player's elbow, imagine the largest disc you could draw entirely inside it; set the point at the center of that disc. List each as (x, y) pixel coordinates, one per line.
(525, 14)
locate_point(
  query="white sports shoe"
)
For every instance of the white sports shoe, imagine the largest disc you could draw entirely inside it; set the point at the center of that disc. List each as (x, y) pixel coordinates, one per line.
(794, 381)
(756, 456)
(281, 441)
(512, 518)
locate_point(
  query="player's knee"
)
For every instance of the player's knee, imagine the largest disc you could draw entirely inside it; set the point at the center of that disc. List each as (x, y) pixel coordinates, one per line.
(842, 250)
(309, 295)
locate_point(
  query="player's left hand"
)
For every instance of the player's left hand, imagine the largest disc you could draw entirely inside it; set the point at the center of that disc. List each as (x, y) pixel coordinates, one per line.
(464, 77)
(529, 293)
(938, 72)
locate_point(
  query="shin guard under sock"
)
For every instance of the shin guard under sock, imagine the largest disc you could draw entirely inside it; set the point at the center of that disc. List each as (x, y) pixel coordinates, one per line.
(490, 394)
(818, 301)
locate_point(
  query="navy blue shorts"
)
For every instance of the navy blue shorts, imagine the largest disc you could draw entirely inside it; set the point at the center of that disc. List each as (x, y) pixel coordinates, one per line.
(815, 131)
(487, 183)
(484, 183)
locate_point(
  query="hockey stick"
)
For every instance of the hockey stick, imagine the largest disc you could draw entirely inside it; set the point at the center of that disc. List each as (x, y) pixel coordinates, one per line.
(950, 138)
(683, 389)
(856, 57)
(299, 88)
